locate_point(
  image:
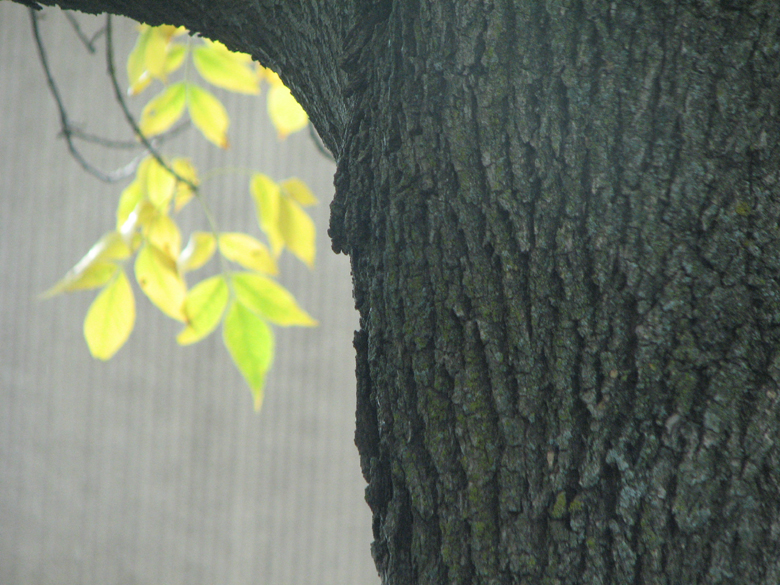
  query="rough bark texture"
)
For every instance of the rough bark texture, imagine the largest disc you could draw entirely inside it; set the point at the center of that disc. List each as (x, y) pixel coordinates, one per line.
(563, 225)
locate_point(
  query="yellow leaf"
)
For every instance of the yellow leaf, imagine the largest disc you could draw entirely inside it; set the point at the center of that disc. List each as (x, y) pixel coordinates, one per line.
(298, 230)
(267, 197)
(155, 52)
(199, 250)
(157, 276)
(164, 234)
(270, 300)
(244, 58)
(250, 342)
(203, 307)
(164, 110)
(270, 76)
(185, 169)
(247, 251)
(226, 69)
(137, 76)
(141, 216)
(298, 191)
(285, 112)
(129, 199)
(160, 185)
(93, 276)
(95, 268)
(110, 318)
(208, 114)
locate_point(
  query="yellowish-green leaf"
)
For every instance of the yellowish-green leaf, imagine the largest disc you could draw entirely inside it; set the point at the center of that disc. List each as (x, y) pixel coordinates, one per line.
(298, 191)
(164, 234)
(174, 58)
(203, 307)
(160, 185)
(110, 318)
(93, 276)
(96, 267)
(141, 216)
(159, 48)
(156, 52)
(164, 110)
(199, 250)
(157, 276)
(298, 230)
(185, 169)
(208, 114)
(226, 69)
(137, 75)
(247, 251)
(250, 342)
(270, 300)
(129, 199)
(267, 197)
(285, 112)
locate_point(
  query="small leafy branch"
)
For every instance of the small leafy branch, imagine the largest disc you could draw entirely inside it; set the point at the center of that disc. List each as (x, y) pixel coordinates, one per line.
(243, 297)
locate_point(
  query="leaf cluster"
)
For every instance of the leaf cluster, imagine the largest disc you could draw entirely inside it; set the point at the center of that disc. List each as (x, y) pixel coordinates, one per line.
(244, 298)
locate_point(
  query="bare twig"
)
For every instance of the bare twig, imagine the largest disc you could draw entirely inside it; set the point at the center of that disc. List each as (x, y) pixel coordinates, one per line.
(128, 144)
(88, 43)
(67, 130)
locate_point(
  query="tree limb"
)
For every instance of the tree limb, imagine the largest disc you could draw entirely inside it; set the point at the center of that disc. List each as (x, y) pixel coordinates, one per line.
(301, 40)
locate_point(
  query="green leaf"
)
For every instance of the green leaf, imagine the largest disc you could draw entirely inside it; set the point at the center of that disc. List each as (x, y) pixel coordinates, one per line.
(110, 318)
(208, 114)
(203, 308)
(199, 250)
(226, 69)
(269, 299)
(298, 191)
(250, 342)
(247, 251)
(96, 267)
(298, 230)
(267, 197)
(157, 276)
(164, 110)
(285, 112)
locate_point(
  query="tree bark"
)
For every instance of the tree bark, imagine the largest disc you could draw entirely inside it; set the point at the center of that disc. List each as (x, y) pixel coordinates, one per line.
(563, 225)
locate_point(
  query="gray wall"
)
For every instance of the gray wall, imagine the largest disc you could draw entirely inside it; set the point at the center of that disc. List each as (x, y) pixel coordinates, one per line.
(153, 468)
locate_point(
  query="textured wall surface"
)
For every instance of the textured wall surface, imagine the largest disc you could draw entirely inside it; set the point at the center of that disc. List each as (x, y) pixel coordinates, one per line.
(153, 468)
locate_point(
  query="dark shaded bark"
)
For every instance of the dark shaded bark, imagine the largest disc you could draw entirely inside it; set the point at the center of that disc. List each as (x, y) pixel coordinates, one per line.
(563, 225)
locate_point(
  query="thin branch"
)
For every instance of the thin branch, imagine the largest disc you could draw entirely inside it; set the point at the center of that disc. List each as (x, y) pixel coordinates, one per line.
(87, 42)
(67, 130)
(128, 144)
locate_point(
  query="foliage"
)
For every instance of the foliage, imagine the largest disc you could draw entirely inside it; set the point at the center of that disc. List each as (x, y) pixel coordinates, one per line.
(242, 297)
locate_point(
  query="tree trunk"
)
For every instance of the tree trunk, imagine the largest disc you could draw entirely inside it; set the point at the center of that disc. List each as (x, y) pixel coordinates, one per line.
(563, 225)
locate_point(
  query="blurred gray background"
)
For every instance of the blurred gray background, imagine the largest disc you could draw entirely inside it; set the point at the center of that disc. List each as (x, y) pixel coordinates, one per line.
(153, 468)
